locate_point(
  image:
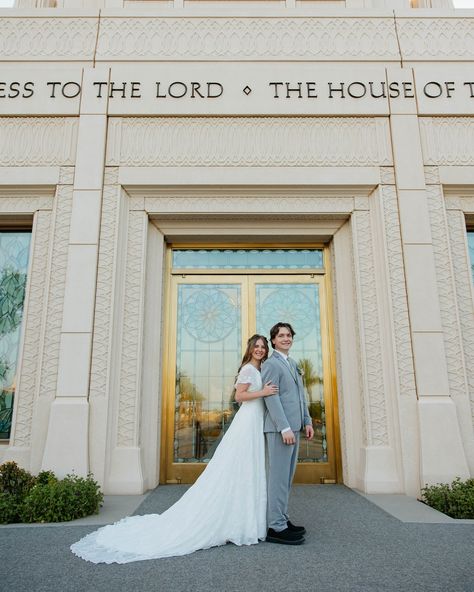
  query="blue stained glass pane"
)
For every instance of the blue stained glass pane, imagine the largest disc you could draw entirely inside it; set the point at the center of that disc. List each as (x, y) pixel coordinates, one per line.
(209, 341)
(283, 259)
(299, 304)
(14, 253)
(470, 242)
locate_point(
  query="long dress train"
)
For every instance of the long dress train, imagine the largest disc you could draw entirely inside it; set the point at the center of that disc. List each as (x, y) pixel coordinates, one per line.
(226, 504)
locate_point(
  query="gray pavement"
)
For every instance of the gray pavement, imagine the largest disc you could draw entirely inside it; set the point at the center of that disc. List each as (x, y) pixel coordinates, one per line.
(354, 544)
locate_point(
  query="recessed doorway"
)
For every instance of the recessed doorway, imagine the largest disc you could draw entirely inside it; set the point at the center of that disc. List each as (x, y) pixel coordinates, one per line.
(217, 298)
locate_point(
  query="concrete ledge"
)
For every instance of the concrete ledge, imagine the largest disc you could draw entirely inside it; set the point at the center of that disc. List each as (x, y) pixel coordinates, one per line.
(115, 508)
(409, 509)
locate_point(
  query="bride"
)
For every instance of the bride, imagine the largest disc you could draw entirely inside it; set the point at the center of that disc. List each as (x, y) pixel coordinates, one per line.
(226, 504)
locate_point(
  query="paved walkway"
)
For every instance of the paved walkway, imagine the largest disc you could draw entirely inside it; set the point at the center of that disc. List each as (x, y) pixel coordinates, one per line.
(352, 545)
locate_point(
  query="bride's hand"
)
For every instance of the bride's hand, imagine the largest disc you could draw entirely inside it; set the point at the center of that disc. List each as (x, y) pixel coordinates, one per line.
(269, 389)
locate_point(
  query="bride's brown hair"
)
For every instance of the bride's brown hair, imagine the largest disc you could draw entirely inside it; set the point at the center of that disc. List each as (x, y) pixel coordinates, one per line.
(251, 343)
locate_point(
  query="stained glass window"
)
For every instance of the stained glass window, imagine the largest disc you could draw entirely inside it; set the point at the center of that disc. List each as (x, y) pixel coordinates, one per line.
(209, 343)
(283, 259)
(470, 242)
(14, 252)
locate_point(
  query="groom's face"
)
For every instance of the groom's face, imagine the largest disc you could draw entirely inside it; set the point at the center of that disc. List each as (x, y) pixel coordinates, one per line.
(283, 340)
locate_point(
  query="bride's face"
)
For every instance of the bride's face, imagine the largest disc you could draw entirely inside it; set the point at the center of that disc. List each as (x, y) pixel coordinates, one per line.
(259, 351)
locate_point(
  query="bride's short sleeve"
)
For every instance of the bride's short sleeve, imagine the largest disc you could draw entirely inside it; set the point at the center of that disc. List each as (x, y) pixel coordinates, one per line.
(246, 375)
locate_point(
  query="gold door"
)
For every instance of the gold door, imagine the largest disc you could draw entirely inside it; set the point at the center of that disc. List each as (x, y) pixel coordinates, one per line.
(211, 317)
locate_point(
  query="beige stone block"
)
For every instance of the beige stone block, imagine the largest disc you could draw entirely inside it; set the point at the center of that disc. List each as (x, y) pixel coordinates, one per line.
(66, 447)
(85, 217)
(414, 216)
(442, 453)
(80, 289)
(422, 288)
(94, 97)
(126, 474)
(90, 152)
(40, 90)
(444, 92)
(74, 365)
(401, 89)
(379, 473)
(407, 154)
(287, 89)
(430, 364)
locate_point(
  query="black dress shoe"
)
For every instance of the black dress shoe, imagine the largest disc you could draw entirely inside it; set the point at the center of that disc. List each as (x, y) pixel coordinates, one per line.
(294, 528)
(284, 537)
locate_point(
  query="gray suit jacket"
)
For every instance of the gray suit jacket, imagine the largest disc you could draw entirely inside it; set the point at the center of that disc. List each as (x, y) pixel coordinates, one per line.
(288, 407)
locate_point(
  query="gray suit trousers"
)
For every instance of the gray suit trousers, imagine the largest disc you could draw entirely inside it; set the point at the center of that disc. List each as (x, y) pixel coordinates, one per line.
(281, 466)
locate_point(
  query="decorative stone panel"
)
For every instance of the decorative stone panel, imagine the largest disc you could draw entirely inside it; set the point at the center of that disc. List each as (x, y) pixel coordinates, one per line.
(447, 140)
(436, 38)
(398, 295)
(248, 141)
(104, 293)
(38, 141)
(446, 291)
(56, 283)
(464, 292)
(33, 322)
(130, 367)
(249, 38)
(43, 38)
(371, 352)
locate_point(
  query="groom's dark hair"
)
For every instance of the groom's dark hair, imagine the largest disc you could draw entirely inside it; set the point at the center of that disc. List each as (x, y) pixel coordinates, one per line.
(276, 328)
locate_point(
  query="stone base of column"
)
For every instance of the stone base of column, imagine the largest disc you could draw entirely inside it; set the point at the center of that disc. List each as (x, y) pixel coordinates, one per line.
(126, 475)
(378, 470)
(66, 448)
(442, 452)
(19, 454)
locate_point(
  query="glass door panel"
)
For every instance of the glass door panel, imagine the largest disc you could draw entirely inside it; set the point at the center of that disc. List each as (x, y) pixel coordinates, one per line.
(212, 317)
(208, 348)
(299, 301)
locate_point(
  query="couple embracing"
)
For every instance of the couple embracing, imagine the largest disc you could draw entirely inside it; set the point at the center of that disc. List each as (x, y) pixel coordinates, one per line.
(242, 496)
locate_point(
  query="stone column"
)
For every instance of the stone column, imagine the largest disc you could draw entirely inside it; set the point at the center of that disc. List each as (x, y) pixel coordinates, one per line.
(442, 455)
(66, 446)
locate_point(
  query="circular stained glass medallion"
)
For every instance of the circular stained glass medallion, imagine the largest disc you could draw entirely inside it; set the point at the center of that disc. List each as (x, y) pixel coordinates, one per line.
(209, 315)
(289, 305)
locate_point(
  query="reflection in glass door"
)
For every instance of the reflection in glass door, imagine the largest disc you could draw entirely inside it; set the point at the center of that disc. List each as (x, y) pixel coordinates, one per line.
(212, 315)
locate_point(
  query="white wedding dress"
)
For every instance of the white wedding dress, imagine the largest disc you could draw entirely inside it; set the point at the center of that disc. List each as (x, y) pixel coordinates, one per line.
(226, 504)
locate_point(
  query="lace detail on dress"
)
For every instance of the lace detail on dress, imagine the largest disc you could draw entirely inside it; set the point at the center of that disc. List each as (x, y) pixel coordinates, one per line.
(249, 375)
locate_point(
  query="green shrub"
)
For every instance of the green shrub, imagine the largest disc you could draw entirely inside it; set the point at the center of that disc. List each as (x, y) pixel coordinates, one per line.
(58, 501)
(10, 508)
(455, 500)
(14, 480)
(45, 498)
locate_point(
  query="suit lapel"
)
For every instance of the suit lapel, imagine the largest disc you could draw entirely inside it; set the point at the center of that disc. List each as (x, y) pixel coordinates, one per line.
(287, 365)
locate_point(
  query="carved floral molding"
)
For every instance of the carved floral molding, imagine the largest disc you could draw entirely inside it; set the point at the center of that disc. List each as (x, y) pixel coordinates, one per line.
(248, 141)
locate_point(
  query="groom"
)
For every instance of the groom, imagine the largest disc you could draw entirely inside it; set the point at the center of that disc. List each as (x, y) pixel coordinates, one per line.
(286, 415)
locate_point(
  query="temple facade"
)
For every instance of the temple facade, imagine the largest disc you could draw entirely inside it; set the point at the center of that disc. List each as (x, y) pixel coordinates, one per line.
(176, 176)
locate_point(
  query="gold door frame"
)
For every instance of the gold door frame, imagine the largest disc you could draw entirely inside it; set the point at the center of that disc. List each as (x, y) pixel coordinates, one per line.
(171, 472)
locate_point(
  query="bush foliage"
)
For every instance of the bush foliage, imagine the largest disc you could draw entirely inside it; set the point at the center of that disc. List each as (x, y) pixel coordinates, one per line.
(45, 498)
(455, 500)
